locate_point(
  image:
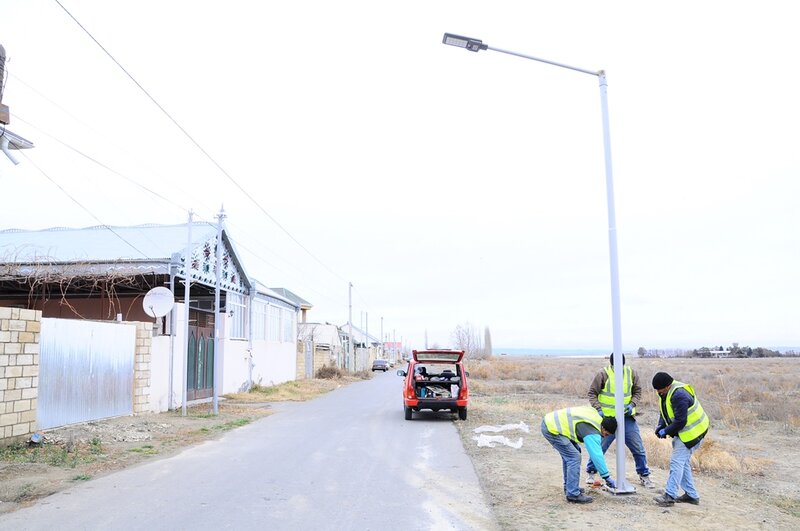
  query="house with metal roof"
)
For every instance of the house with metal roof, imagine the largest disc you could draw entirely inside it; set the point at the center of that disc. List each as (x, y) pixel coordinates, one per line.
(104, 273)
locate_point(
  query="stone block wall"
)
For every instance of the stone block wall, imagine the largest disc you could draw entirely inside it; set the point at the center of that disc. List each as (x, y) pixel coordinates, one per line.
(141, 369)
(19, 372)
(300, 371)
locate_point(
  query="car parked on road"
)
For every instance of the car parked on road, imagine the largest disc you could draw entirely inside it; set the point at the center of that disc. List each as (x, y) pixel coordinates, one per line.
(380, 365)
(435, 380)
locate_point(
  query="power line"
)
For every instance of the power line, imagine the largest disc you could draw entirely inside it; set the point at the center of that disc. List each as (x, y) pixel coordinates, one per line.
(81, 205)
(213, 161)
(254, 253)
(103, 165)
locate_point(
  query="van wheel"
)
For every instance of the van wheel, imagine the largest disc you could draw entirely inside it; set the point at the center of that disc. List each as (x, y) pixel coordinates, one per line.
(408, 413)
(462, 413)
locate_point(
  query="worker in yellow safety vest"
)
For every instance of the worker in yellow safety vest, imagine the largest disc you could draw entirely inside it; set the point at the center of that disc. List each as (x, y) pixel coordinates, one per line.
(565, 429)
(683, 419)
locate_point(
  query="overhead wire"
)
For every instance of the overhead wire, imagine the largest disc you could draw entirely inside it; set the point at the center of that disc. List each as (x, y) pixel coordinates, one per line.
(255, 254)
(104, 166)
(210, 158)
(238, 243)
(83, 207)
(198, 146)
(132, 181)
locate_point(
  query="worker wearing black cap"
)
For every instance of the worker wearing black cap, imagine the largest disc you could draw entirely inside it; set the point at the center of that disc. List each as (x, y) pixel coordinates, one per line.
(683, 419)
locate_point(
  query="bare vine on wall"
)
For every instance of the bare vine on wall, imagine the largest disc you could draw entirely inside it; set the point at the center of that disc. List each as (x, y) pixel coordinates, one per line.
(46, 279)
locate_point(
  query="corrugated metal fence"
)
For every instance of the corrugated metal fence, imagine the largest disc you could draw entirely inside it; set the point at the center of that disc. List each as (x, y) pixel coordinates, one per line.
(85, 371)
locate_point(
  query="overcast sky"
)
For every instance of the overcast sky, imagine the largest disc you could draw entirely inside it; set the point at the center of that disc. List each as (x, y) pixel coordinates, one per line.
(348, 144)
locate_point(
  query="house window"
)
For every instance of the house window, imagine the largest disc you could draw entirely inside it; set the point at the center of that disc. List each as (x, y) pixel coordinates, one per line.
(287, 321)
(273, 323)
(237, 309)
(259, 320)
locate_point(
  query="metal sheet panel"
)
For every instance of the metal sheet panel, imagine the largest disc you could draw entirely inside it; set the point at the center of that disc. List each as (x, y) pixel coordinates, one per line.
(85, 371)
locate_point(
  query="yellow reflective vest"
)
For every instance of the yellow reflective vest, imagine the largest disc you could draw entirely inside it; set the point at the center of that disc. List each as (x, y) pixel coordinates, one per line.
(697, 422)
(606, 396)
(563, 421)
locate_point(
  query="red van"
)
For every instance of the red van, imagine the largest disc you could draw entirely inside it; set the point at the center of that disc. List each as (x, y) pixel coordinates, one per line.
(435, 380)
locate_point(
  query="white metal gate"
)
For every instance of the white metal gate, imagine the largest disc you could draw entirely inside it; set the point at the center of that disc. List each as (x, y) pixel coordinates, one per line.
(85, 371)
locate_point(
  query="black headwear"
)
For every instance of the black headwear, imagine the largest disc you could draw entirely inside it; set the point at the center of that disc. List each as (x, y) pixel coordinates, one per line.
(662, 380)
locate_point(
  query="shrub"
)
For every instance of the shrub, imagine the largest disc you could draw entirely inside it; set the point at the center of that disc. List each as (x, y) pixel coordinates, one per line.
(328, 373)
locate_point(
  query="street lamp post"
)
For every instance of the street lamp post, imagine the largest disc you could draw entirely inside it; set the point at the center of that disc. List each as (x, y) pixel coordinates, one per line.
(476, 45)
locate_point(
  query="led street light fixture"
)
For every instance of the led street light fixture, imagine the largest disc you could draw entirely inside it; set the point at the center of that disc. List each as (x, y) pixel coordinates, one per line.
(472, 45)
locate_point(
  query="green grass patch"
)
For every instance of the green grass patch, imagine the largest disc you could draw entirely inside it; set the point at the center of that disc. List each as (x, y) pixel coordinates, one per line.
(95, 446)
(147, 449)
(50, 454)
(238, 423)
(82, 477)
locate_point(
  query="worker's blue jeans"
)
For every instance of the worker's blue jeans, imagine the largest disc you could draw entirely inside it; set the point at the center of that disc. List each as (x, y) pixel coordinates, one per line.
(633, 440)
(680, 469)
(570, 460)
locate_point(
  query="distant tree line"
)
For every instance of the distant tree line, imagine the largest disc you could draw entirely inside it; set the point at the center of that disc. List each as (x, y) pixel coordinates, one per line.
(734, 351)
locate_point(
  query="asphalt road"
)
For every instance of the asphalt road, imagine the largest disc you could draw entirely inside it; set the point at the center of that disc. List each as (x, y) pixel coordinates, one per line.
(344, 461)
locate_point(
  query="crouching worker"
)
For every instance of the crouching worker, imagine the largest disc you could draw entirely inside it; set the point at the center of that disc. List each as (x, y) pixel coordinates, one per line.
(565, 429)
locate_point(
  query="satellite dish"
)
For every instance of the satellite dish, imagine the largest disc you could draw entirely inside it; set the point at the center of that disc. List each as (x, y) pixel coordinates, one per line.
(158, 302)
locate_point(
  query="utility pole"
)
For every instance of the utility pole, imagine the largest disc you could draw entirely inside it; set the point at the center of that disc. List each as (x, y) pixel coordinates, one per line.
(218, 316)
(383, 345)
(187, 284)
(350, 328)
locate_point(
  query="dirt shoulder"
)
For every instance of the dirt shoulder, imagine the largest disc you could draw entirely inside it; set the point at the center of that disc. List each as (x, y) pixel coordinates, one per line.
(89, 450)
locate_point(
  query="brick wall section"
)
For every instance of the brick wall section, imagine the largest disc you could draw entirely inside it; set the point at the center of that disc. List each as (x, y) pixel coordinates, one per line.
(141, 369)
(19, 372)
(300, 372)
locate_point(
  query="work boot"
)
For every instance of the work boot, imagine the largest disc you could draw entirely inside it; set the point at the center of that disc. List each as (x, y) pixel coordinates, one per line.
(665, 500)
(685, 498)
(646, 482)
(590, 479)
(580, 498)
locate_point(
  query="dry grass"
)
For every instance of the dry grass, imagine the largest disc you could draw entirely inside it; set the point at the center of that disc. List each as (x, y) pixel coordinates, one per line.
(735, 392)
(738, 394)
(745, 464)
(297, 390)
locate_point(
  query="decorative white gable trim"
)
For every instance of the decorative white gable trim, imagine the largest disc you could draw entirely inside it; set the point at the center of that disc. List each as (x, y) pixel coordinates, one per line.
(204, 266)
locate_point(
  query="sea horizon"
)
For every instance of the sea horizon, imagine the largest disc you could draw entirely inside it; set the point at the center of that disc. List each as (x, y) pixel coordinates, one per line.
(555, 352)
(596, 352)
